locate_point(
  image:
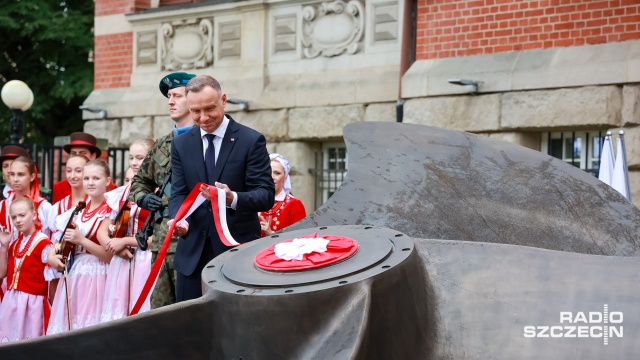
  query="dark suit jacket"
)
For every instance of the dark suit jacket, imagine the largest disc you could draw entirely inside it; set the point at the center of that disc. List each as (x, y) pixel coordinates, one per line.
(243, 164)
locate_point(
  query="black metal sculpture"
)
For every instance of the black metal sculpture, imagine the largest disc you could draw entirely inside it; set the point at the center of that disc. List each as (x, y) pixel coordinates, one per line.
(469, 248)
(434, 183)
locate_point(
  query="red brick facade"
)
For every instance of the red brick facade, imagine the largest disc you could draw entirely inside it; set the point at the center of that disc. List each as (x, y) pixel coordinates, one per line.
(114, 52)
(113, 60)
(113, 7)
(445, 28)
(450, 28)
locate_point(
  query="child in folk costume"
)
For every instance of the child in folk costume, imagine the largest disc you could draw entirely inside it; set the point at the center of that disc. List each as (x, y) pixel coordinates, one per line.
(75, 164)
(74, 167)
(23, 178)
(7, 155)
(129, 267)
(286, 209)
(88, 273)
(24, 312)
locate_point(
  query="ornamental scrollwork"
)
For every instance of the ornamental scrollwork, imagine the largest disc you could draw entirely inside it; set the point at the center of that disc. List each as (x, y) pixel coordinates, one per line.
(332, 28)
(186, 44)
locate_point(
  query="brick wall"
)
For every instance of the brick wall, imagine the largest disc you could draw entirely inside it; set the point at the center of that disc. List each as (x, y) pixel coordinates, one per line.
(172, 2)
(449, 28)
(113, 57)
(112, 7)
(113, 60)
(113, 53)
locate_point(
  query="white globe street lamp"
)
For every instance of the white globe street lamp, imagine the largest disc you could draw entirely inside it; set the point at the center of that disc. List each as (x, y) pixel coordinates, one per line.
(19, 98)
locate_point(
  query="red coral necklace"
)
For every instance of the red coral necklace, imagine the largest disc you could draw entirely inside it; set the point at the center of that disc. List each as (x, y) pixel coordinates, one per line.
(20, 253)
(274, 213)
(87, 215)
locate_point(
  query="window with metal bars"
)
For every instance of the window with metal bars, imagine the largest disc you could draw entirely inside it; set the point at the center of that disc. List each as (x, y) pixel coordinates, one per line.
(578, 148)
(330, 170)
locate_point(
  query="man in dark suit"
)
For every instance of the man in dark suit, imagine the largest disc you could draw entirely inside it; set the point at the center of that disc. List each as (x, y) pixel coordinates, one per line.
(242, 169)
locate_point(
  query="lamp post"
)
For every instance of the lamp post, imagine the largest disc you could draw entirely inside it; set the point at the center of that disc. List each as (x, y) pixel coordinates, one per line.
(19, 98)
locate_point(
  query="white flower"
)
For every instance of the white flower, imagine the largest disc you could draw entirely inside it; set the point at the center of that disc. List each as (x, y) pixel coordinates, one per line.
(296, 249)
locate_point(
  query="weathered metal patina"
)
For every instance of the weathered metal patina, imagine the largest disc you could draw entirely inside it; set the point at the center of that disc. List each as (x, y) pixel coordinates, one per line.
(465, 242)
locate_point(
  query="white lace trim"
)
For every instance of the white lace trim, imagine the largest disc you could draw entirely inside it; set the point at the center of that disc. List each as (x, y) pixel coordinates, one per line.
(51, 273)
(81, 267)
(5, 339)
(110, 316)
(78, 323)
(143, 255)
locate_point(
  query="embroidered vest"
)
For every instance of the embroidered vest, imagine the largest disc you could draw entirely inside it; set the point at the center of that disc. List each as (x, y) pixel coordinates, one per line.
(29, 276)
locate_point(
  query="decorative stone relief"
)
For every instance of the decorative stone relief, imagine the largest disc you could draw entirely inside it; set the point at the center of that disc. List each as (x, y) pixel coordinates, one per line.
(284, 33)
(332, 28)
(385, 23)
(187, 44)
(230, 35)
(147, 47)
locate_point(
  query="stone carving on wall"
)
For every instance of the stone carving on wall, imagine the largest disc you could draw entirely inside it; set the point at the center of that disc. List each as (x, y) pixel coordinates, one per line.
(187, 44)
(284, 37)
(147, 48)
(385, 25)
(230, 34)
(332, 28)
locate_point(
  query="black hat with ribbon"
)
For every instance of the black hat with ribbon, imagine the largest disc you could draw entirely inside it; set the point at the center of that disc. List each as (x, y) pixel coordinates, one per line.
(11, 152)
(81, 139)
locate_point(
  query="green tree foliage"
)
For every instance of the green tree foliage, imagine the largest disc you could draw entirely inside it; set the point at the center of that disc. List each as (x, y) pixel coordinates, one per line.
(48, 44)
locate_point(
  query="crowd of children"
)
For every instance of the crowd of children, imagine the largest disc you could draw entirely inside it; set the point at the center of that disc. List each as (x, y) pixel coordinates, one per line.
(45, 292)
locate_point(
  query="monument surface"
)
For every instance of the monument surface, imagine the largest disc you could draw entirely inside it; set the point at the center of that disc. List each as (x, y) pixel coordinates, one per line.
(434, 183)
(468, 248)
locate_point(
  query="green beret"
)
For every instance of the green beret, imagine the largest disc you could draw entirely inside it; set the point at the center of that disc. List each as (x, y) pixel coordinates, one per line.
(173, 81)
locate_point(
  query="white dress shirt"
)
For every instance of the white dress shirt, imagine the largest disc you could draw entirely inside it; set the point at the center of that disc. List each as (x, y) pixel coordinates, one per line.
(217, 142)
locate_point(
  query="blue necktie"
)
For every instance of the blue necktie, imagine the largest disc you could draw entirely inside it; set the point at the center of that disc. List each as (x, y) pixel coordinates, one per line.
(210, 159)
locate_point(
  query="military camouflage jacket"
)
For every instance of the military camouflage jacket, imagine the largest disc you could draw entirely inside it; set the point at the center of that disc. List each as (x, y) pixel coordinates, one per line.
(149, 178)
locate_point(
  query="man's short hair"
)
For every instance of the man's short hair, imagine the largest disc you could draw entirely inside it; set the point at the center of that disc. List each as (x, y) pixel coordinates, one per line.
(200, 82)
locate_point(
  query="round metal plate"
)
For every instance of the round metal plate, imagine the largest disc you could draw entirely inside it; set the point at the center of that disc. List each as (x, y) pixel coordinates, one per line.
(376, 246)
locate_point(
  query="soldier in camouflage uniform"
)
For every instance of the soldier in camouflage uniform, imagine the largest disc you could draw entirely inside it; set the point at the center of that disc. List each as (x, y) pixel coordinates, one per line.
(151, 175)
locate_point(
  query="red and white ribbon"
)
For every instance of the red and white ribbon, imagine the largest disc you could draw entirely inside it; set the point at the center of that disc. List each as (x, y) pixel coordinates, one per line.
(190, 204)
(218, 208)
